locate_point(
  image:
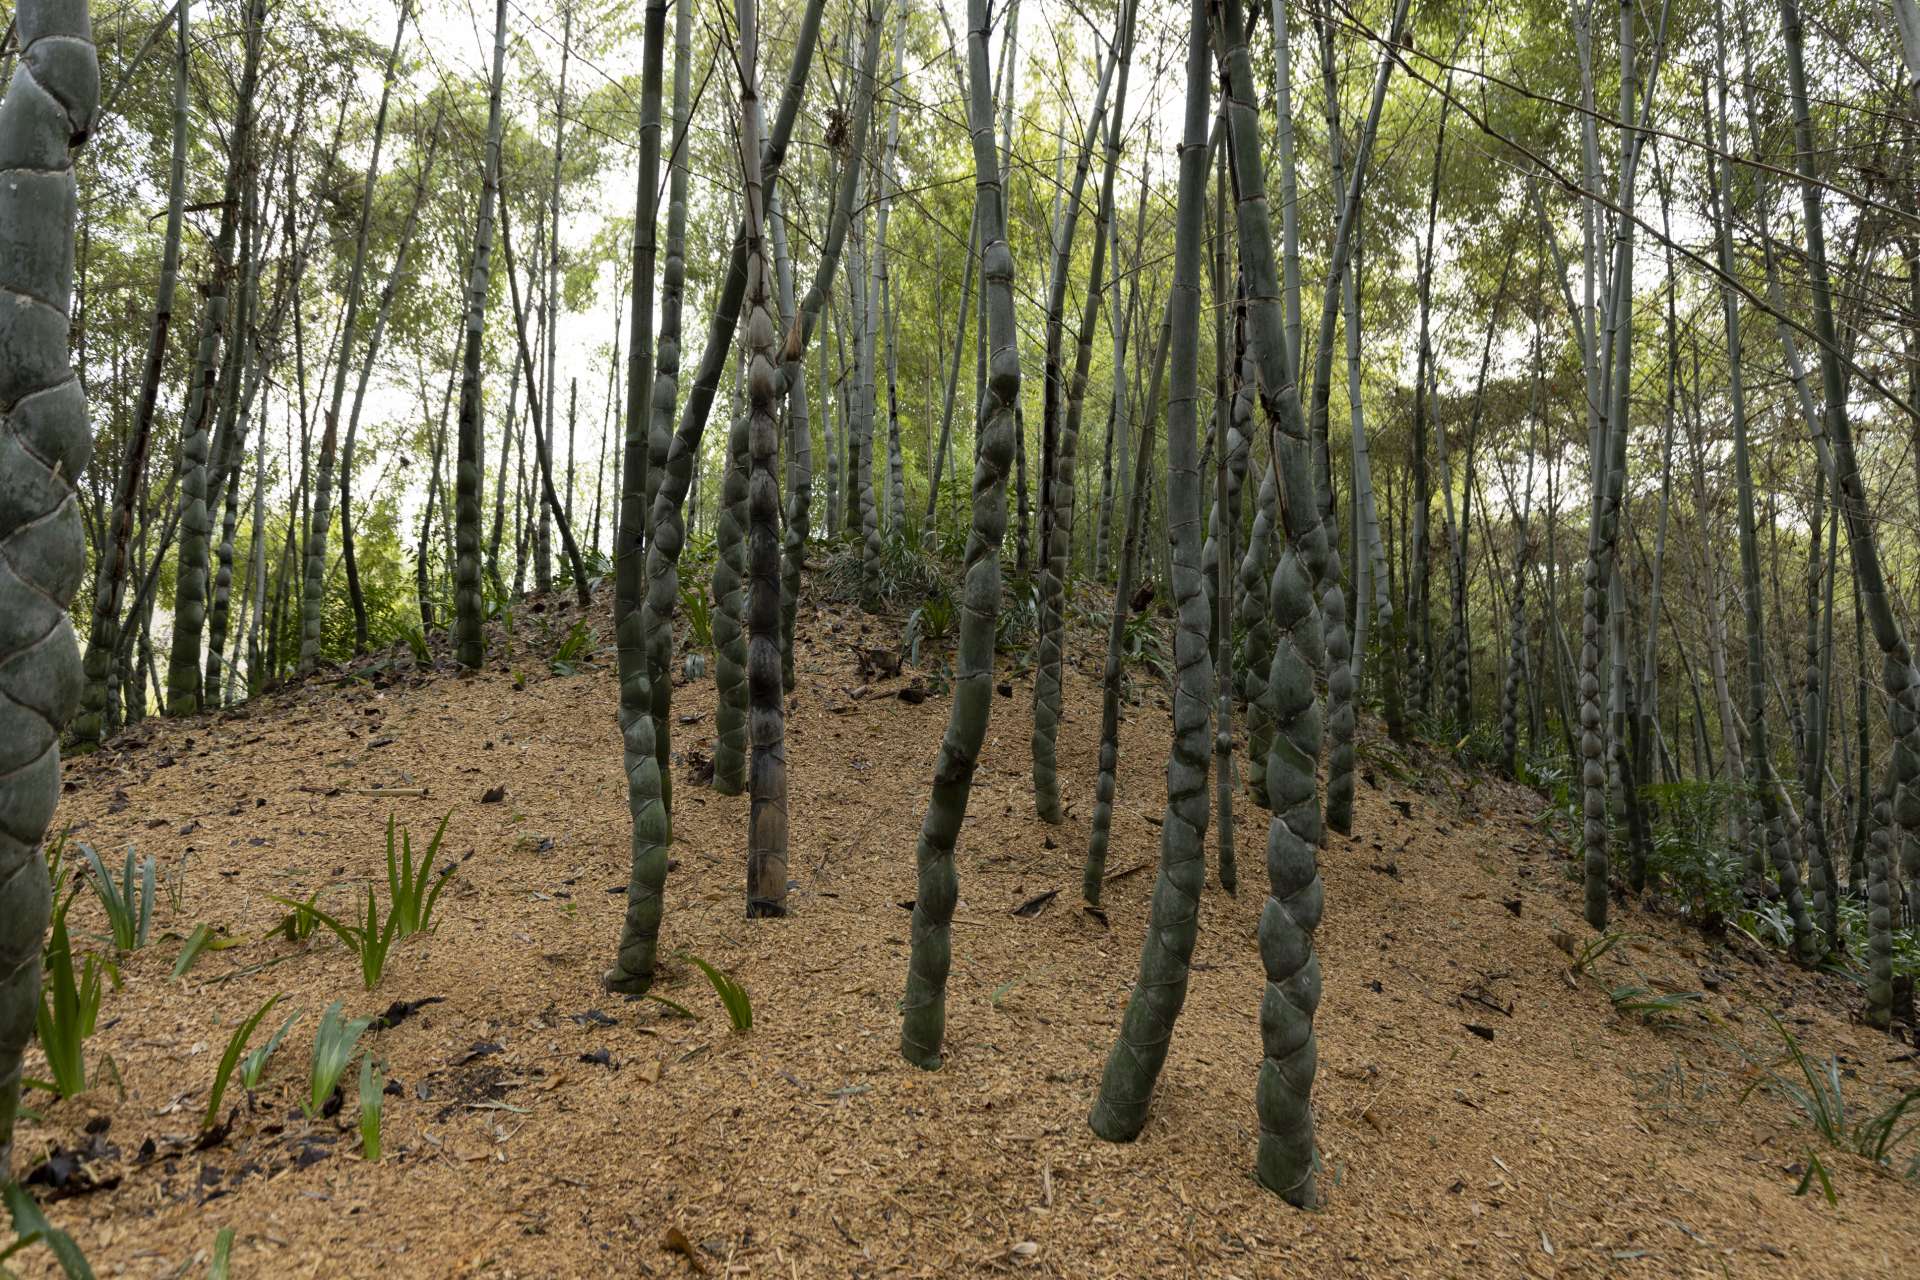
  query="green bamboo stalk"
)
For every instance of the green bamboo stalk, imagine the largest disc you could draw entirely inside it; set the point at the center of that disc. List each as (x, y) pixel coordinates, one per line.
(923, 1008)
(44, 445)
(469, 637)
(1160, 988)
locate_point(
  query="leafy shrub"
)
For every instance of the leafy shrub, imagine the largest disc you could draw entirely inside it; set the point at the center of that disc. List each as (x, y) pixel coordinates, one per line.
(697, 608)
(905, 572)
(929, 625)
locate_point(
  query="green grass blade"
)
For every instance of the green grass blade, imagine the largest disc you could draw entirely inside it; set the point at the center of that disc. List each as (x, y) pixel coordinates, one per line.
(372, 1093)
(29, 1221)
(254, 1065)
(732, 995)
(236, 1044)
(222, 1254)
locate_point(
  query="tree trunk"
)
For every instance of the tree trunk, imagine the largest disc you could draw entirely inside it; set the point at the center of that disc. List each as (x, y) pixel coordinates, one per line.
(470, 638)
(184, 669)
(1160, 989)
(44, 443)
(313, 595)
(110, 573)
(923, 1008)
(1056, 460)
(671, 469)
(1112, 675)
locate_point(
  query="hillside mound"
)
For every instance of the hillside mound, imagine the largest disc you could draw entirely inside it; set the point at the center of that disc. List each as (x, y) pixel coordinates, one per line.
(1481, 1108)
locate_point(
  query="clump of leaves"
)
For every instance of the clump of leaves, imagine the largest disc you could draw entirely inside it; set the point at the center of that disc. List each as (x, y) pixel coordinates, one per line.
(414, 891)
(129, 905)
(1143, 643)
(69, 1006)
(417, 642)
(573, 647)
(929, 625)
(1656, 1008)
(732, 995)
(1586, 956)
(904, 571)
(373, 1087)
(1018, 621)
(236, 1043)
(1690, 856)
(697, 609)
(333, 1046)
(369, 940)
(298, 924)
(1815, 1089)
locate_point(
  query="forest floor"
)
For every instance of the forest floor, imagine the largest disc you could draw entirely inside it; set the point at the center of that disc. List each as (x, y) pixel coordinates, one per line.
(1481, 1110)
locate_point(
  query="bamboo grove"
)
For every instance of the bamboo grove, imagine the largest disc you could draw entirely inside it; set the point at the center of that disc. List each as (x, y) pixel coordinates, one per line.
(394, 339)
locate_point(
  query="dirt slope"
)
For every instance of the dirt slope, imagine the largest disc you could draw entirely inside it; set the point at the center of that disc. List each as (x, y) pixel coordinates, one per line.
(1572, 1142)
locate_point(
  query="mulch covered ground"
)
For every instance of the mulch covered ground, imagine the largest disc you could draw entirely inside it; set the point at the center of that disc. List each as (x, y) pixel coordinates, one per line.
(1480, 1113)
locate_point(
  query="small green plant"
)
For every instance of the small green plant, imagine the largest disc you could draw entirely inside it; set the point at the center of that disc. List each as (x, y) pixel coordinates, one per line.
(1143, 643)
(1589, 955)
(69, 1006)
(1817, 1171)
(203, 938)
(673, 1007)
(412, 898)
(370, 940)
(1656, 1008)
(417, 642)
(129, 907)
(930, 624)
(253, 1067)
(372, 1091)
(333, 1045)
(175, 883)
(1816, 1090)
(30, 1227)
(298, 924)
(236, 1043)
(697, 609)
(573, 646)
(732, 995)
